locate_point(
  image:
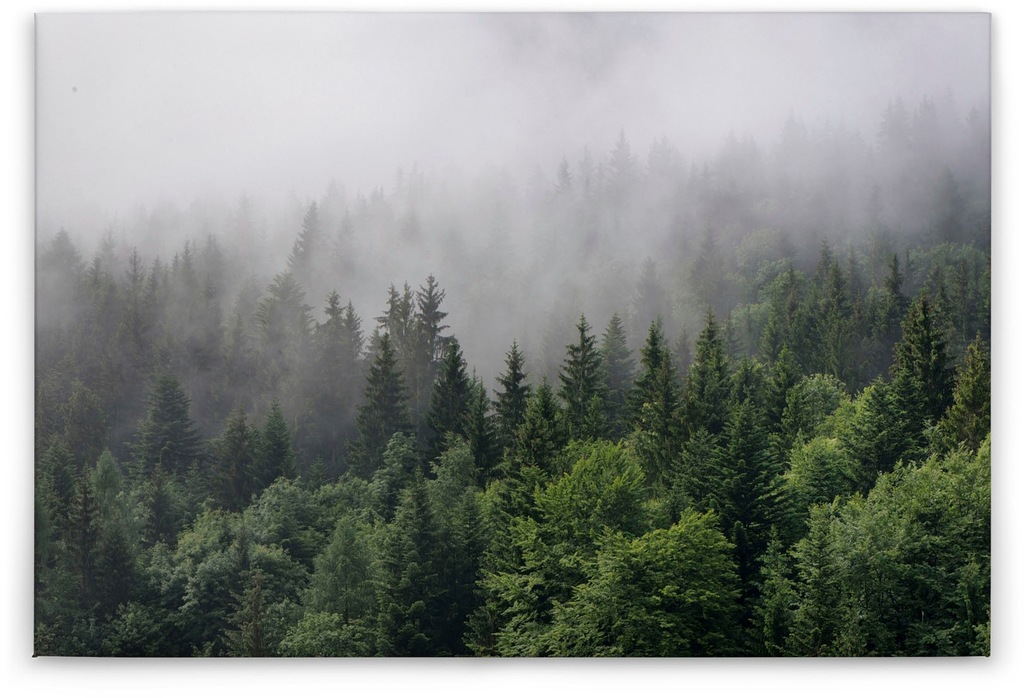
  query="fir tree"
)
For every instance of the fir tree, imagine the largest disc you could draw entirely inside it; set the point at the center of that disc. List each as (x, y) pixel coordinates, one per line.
(167, 436)
(619, 367)
(235, 477)
(706, 401)
(968, 420)
(921, 373)
(449, 403)
(582, 386)
(512, 397)
(540, 436)
(654, 406)
(275, 455)
(384, 411)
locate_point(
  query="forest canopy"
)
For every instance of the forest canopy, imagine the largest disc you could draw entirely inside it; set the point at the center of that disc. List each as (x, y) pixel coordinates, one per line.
(642, 405)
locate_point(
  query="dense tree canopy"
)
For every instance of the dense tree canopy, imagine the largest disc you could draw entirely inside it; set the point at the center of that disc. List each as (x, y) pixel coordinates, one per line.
(223, 470)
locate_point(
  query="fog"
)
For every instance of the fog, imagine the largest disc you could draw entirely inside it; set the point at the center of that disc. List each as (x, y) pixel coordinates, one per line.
(435, 143)
(139, 108)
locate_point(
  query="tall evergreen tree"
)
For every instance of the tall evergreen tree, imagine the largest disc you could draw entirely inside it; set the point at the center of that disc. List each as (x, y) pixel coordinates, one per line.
(512, 397)
(654, 407)
(921, 372)
(338, 342)
(582, 386)
(384, 411)
(480, 432)
(234, 455)
(619, 367)
(968, 419)
(706, 398)
(541, 435)
(449, 403)
(167, 436)
(275, 453)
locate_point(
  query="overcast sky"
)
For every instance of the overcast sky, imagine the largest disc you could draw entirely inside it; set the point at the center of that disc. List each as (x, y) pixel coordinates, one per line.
(133, 108)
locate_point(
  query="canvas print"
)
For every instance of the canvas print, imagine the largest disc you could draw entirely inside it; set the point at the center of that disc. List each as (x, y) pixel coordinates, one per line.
(552, 334)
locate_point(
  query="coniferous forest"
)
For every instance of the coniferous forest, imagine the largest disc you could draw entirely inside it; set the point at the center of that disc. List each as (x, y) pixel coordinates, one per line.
(645, 404)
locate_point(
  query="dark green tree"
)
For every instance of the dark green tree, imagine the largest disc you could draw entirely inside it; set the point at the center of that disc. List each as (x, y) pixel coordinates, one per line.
(275, 455)
(706, 396)
(921, 373)
(618, 374)
(541, 435)
(582, 386)
(654, 406)
(968, 420)
(407, 583)
(167, 436)
(512, 398)
(449, 402)
(481, 433)
(384, 411)
(234, 468)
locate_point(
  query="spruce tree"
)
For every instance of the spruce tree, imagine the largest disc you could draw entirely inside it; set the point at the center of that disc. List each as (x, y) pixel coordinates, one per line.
(480, 432)
(921, 373)
(654, 406)
(384, 411)
(449, 402)
(235, 476)
(512, 397)
(275, 455)
(968, 420)
(619, 367)
(167, 436)
(706, 400)
(540, 437)
(582, 386)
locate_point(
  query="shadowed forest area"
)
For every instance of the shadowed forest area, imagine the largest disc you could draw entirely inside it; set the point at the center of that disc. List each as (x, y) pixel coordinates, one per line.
(644, 404)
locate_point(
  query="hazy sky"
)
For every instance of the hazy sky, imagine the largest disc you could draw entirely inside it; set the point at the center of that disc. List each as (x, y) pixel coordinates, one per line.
(132, 108)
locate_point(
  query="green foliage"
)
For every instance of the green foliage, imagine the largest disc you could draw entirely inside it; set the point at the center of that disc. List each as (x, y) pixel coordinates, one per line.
(706, 397)
(167, 437)
(670, 592)
(582, 386)
(383, 413)
(618, 374)
(967, 421)
(449, 401)
(512, 399)
(342, 583)
(903, 571)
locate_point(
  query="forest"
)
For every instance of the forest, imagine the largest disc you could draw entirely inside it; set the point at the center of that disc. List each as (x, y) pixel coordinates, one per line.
(641, 405)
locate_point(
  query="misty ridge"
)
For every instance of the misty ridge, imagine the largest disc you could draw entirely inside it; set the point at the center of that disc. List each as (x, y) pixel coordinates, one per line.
(638, 232)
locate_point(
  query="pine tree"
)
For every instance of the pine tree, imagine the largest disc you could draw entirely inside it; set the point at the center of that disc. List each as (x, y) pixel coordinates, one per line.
(167, 436)
(619, 367)
(512, 398)
(480, 432)
(921, 373)
(582, 386)
(706, 400)
(384, 411)
(654, 408)
(968, 420)
(338, 343)
(540, 436)
(407, 582)
(235, 476)
(449, 403)
(308, 247)
(275, 454)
